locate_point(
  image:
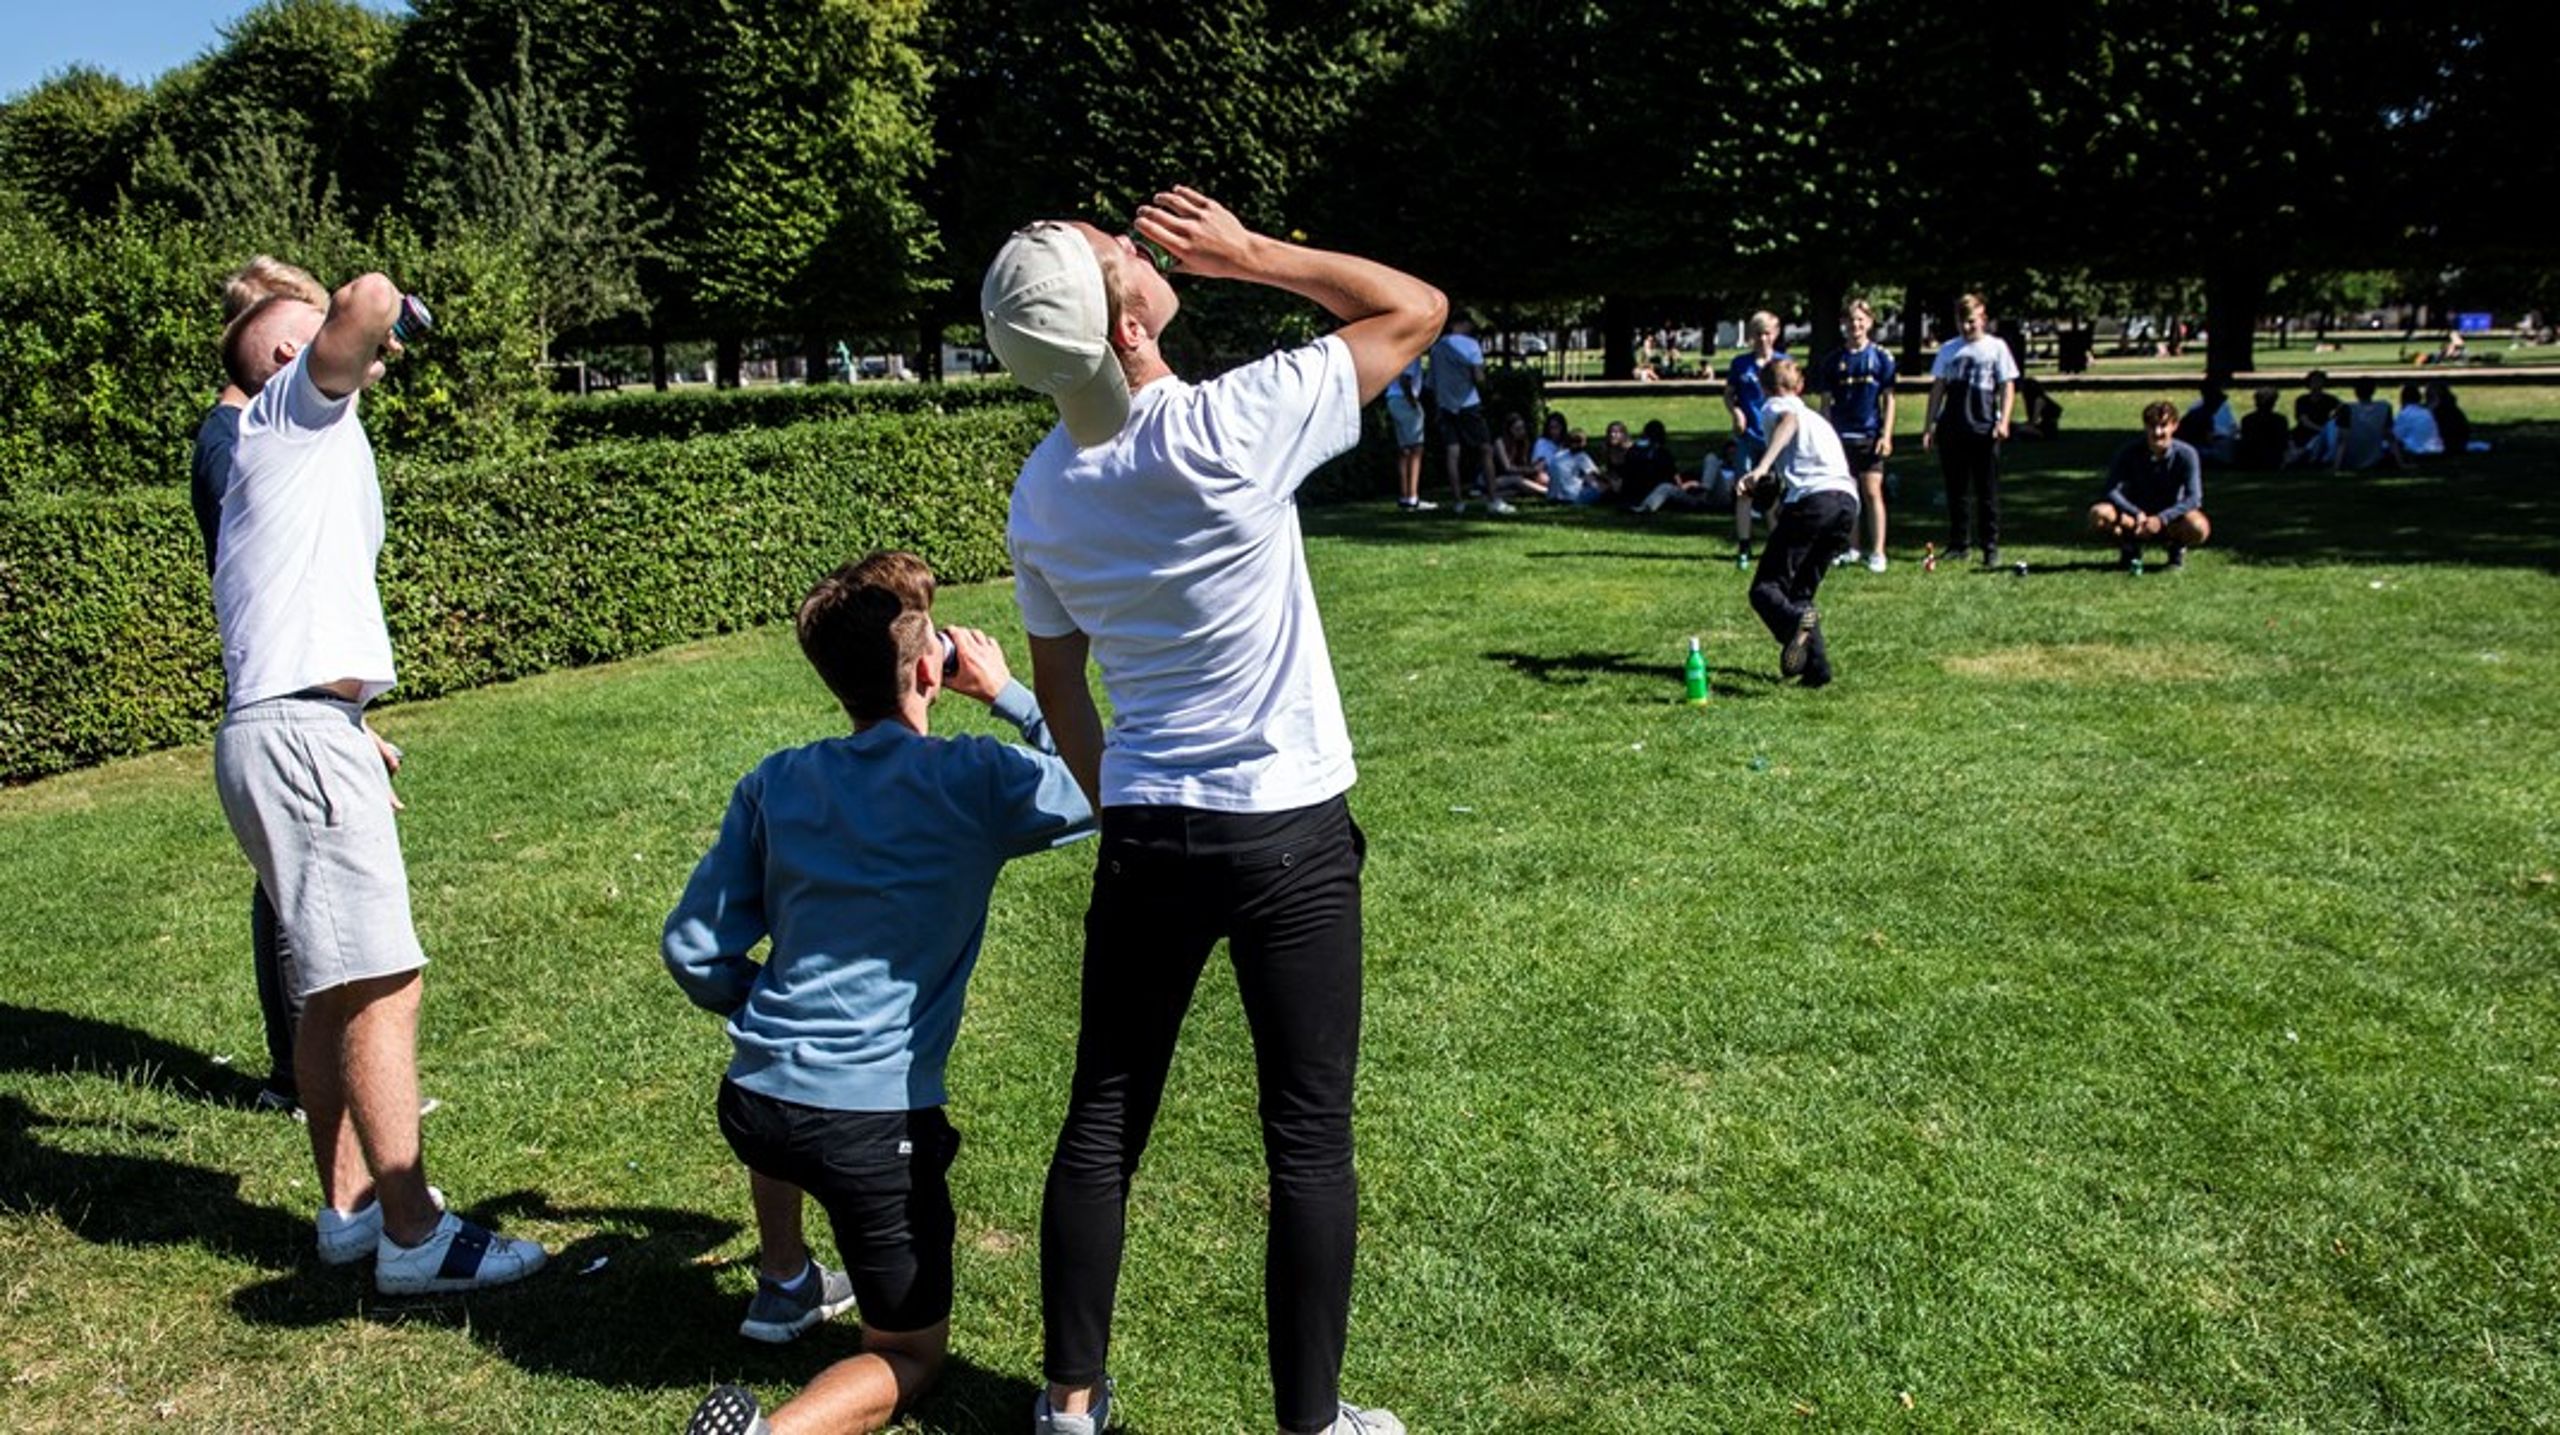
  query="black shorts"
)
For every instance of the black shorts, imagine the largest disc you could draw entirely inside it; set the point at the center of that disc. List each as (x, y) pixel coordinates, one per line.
(1863, 458)
(882, 1178)
(1464, 427)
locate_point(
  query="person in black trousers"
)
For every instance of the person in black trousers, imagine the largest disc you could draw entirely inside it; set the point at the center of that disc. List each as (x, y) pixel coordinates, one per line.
(1817, 516)
(1973, 385)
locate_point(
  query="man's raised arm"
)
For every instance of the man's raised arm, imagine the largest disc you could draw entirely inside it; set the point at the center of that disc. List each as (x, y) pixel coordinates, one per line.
(1388, 316)
(347, 353)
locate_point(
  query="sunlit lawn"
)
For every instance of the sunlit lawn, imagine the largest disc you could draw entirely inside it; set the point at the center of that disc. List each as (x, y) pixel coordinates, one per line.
(2115, 1003)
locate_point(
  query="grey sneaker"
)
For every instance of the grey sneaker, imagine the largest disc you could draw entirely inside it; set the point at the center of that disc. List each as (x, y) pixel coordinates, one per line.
(779, 1313)
(1791, 658)
(457, 1256)
(350, 1237)
(728, 1410)
(1355, 1421)
(1045, 1421)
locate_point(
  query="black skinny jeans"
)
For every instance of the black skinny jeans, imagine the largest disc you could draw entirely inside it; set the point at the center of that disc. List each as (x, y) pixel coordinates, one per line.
(1284, 890)
(1971, 462)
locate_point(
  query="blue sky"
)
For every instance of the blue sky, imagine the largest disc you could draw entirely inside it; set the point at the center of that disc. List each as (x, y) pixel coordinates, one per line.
(138, 39)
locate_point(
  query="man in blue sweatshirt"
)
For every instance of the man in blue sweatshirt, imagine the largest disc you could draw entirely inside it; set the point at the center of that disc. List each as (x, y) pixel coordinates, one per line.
(2155, 492)
(867, 862)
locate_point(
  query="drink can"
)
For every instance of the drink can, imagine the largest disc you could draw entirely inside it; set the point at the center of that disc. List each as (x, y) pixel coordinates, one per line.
(414, 319)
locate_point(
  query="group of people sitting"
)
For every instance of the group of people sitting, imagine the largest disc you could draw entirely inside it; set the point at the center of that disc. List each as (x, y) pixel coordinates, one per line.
(2327, 432)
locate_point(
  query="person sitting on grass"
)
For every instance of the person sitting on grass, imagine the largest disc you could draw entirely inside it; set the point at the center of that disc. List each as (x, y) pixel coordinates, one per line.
(2210, 428)
(2312, 411)
(1511, 468)
(867, 861)
(1817, 515)
(2451, 422)
(1573, 475)
(2413, 429)
(2360, 434)
(1617, 462)
(2155, 492)
(2265, 437)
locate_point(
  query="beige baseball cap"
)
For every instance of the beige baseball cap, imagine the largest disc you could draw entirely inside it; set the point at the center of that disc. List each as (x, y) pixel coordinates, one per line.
(1049, 319)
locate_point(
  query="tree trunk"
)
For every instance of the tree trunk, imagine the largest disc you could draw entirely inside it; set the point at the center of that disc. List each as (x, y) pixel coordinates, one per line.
(733, 352)
(2233, 297)
(1617, 339)
(813, 355)
(929, 349)
(658, 376)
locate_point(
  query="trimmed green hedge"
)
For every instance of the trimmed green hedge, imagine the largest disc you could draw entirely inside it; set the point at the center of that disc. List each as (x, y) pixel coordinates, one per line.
(496, 570)
(686, 413)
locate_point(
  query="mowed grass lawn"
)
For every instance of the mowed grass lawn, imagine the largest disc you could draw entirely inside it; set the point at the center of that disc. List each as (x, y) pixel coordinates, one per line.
(2115, 1003)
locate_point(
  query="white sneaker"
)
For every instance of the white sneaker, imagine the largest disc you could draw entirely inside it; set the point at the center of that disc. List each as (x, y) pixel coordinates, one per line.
(348, 1237)
(458, 1256)
(1852, 556)
(1355, 1421)
(1875, 562)
(1501, 507)
(1460, 506)
(1095, 1419)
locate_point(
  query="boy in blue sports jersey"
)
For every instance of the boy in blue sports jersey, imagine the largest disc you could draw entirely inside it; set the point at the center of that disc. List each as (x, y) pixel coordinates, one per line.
(867, 861)
(1746, 402)
(1857, 396)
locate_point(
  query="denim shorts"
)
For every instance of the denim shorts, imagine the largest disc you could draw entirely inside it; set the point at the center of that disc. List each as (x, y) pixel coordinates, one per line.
(1407, 417)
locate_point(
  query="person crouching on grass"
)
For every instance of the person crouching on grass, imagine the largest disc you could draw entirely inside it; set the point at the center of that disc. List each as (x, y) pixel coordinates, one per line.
(867, 861)
(1817, 516)
(2155, 492)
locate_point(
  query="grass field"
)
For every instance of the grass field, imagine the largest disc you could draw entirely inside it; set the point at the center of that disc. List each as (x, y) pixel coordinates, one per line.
(2115, 1003)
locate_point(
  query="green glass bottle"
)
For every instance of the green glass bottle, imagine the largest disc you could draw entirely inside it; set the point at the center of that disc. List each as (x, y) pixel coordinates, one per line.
(1694, 676)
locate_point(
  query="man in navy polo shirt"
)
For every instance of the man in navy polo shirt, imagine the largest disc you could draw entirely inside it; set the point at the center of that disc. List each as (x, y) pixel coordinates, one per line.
(1746, 401)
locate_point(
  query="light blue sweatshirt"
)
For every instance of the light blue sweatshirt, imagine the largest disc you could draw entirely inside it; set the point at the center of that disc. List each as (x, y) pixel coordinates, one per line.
(868, 860)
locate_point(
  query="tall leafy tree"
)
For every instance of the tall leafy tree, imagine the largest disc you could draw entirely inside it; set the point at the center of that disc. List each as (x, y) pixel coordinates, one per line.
(1088, 110)
(806, 216)
(527, 178)
(67, 145)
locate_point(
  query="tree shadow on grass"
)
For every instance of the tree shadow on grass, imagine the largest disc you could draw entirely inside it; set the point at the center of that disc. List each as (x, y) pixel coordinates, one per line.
(49, 1043)
(1579, 669)
(115, 1199)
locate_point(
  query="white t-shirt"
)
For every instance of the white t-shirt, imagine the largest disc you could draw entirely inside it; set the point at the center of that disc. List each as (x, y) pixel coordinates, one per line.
(1454, 362)
(1569, 477)
(1813, 461)
(1174, 547)
(293, 590)
(1975, 371)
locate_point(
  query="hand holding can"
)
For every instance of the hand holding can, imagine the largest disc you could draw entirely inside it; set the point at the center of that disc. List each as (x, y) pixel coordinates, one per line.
(413, 321)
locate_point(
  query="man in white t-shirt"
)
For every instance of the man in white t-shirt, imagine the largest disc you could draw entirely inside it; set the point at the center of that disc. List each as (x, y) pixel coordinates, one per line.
(306, 787)
(1972, 388)
(1817, 516)
(1155, 533)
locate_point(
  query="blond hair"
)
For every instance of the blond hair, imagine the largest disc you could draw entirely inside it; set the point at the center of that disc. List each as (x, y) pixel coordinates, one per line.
(267, 277)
